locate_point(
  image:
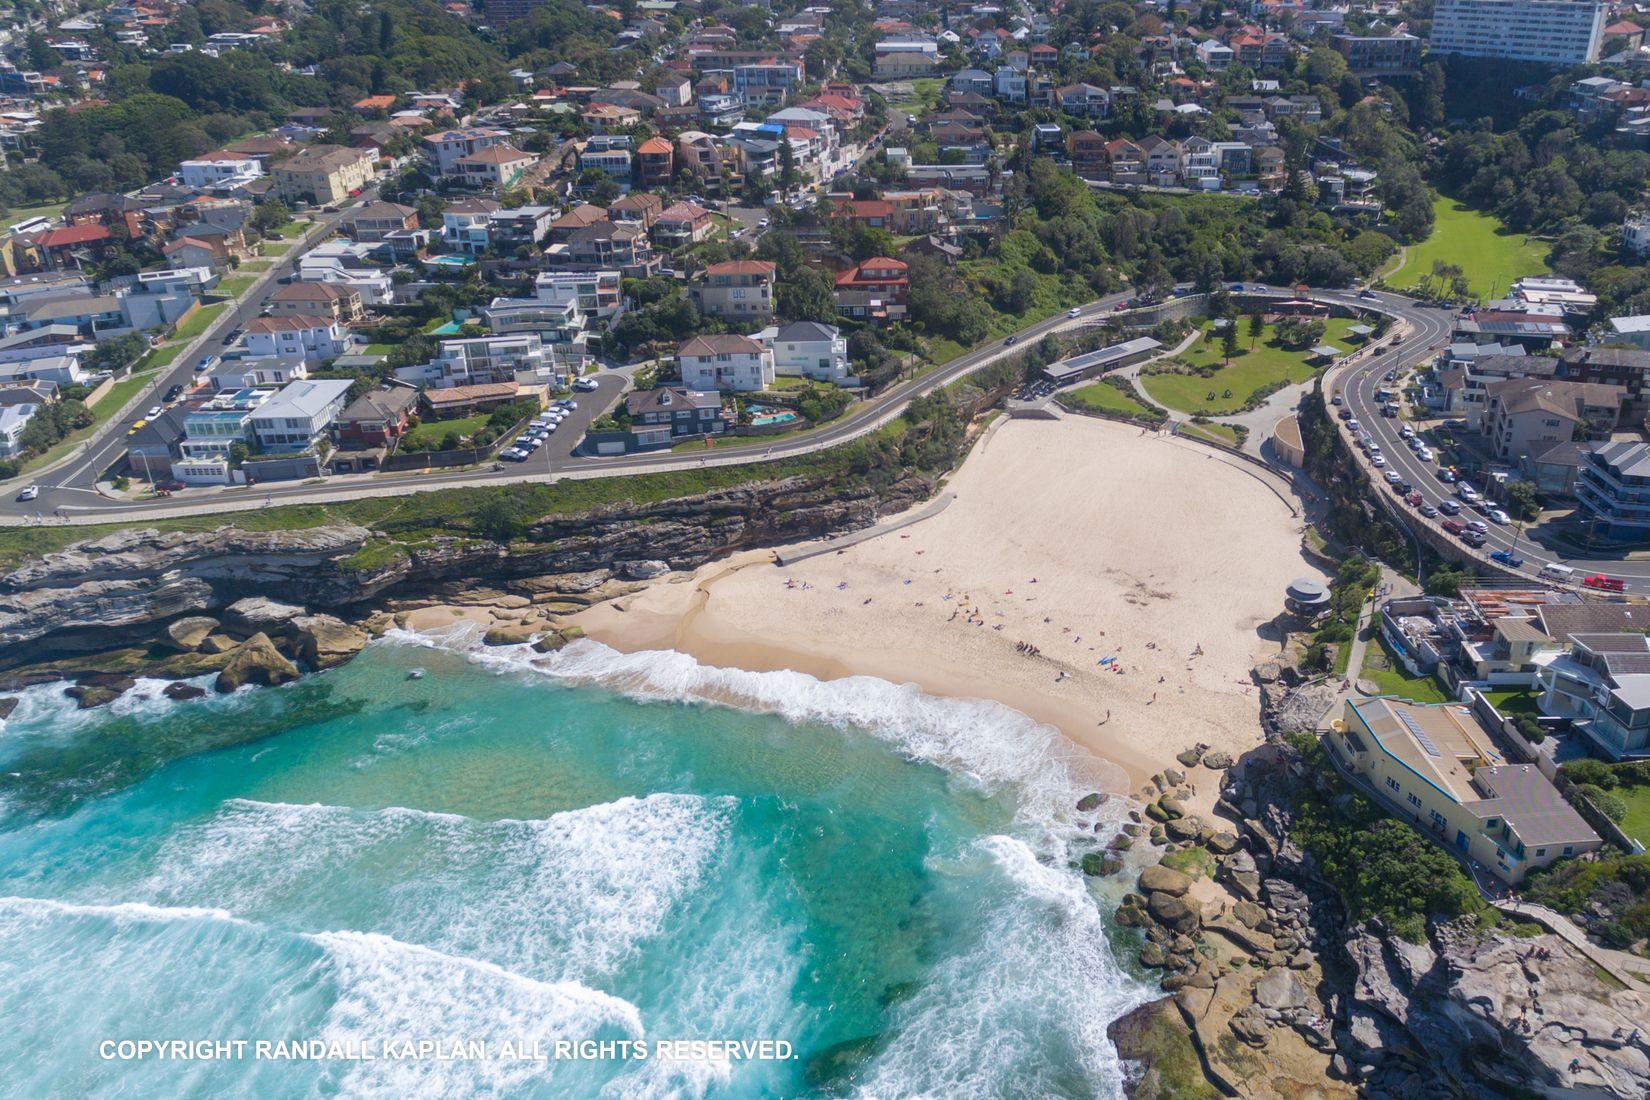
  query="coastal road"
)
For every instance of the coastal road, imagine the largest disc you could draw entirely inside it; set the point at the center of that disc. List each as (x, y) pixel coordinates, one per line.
(71, 483)
(557, 462)
(1357, 385)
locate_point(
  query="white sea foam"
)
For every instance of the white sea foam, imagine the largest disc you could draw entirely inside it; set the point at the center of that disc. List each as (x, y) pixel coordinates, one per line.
(124, 911)
(570, 896)
(985, 741)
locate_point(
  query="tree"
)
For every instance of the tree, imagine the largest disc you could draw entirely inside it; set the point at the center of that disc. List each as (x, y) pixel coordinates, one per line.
(270, 215)
(1522, 500)
(500, 518)
(1257, 325)
(1228, 342)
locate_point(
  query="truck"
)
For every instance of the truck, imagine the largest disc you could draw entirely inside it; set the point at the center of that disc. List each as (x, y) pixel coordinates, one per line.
(1601, 583)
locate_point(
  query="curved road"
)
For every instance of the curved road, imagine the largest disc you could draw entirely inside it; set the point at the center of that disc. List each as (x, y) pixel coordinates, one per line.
(82, 504)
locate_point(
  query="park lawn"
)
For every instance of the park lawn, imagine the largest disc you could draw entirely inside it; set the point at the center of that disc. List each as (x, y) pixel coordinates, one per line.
(1108, 398)
(198, 322)
(43, 210)
(925, 93)
(1490, 255)
(1250, 369)
(1223, 434)
(1390, 678)
(1636, 822)
(434, 431)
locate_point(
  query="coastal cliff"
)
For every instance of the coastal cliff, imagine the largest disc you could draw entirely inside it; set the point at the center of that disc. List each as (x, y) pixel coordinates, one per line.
(123, 590)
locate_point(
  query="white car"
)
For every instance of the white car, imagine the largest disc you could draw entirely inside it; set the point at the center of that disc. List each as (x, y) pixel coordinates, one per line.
(584, 385)
(1074, 312)
(1498, 516)
(568, 403)
(29, 492)
(513, 455)
(154, 412)
(1393, 477)
(762, 223)
(1377, 462)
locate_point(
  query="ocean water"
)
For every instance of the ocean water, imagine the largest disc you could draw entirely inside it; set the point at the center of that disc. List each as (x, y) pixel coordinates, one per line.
(521, 849)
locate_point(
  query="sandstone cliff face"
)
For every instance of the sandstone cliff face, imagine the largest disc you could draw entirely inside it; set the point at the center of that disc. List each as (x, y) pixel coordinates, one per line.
(124, 589)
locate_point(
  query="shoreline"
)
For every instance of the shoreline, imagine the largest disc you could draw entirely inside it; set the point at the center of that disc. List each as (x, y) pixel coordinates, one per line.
(909, 605)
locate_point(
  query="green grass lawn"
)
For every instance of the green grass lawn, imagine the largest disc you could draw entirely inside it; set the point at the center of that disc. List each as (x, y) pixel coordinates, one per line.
(1514, 702)
(1250, 369)
(198, 322)
(925, 93)
(236, 286)
(1490, 255)
(434, 431)
(1636, 823)
(43, 210)
(378, 349)
(1390, 678)
(256, 265)
(1108, 398)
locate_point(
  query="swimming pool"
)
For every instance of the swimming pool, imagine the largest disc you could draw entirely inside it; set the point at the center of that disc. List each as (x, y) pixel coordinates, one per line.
(763, 415)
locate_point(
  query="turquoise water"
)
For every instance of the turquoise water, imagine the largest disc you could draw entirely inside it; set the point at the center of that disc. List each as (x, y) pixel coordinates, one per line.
(586, 846)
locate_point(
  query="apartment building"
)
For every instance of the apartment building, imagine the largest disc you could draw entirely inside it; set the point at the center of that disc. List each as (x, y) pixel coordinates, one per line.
(726, 361)
(448, 147)
(1613, 486)
(1395, 54)
(296, 336)
(1603, 685)
(335, 300)
(738, 290)
(323, 174)
(598, 292)
(486, 360)
(219, 171)
(1554, 32)
(377, 220)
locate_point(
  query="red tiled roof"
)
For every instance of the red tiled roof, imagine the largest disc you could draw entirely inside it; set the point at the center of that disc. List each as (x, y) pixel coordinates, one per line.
(743, 267)
(72, 235)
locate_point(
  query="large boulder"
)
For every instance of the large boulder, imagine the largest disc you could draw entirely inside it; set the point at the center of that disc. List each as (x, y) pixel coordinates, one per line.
(260, 615)
(187, 634)
(256, 661)
(1280, 988)
(325, 641)
(1166, 880)
(640, 570)
(180, 691)
(1180, 914)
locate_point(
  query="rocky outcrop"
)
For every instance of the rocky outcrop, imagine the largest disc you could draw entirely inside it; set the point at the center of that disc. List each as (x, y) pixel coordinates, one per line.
(256, 661)
(189, 632)
(325, 641)
(126, 588)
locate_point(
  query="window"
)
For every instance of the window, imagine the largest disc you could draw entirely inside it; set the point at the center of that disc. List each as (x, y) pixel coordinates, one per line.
(1414, 801)
(1569, 850)
(1539, 852)
(1393, 784)
(1437, 819)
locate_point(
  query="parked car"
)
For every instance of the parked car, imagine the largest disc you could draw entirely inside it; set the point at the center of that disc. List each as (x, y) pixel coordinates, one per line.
(1407, 432)
(1473, 538)
(513, 455)
(584, 385)
(137, 424)
(1449, 507)
(1603, 583)
(1378, 461)
(1344, 414)
(1414, 499)
(1405, 488)
(1336, 400)
(1429, 511)
(173, 393)
(1505, 557)
(1353, 424)
(1393, 477)
(170, 485)
(1446, 475)
(1454, 526)
(29, 492)
(154, 411)
(208, 362)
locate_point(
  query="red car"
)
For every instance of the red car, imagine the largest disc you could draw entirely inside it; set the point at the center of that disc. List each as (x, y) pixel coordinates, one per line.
(1415, 500)
(1603, 583)
(1453, 526)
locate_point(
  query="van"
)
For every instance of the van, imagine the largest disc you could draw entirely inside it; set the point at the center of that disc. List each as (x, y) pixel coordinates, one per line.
(1561, 573)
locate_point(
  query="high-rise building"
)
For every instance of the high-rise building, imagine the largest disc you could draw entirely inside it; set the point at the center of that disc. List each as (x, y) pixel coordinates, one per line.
(1556, 32)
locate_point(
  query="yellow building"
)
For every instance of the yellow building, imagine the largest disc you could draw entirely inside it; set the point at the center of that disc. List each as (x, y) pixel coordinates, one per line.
(1436, 767)
(323, 174)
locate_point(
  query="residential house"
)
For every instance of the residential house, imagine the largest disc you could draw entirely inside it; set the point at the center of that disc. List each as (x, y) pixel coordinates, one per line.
(737, 290)
(1083, 99)
(466, 225)
(640, 207)
(497, 167)
(13, 419)
(875, 289)
(298, 417)
(1437, 768)
(447, 148)
(301, 299)
(725, 361)
(662, 416)
(681, 224)
(296, 336)
(1603, 685)
(1162, 160)
(655, 162)
(485, 360)
(219, 171)
(378, 418)
(1127, 160)
(598, 293)
(810, 349)
(1613, 486)
(606, 244)
(377, 220)
(519, 227)
(577, 217)
(1087, 150)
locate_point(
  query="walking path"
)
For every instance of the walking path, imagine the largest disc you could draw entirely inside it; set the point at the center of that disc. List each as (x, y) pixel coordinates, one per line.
(1630, 970)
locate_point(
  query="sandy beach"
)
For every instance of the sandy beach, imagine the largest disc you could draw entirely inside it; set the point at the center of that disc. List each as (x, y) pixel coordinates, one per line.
(1113, 584)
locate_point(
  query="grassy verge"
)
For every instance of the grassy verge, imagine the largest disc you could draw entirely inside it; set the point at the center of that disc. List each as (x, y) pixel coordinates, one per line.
(1512, 703)
(1636, 821)
(236, 286)
(1488, 253)
(1223, 434)
(197, 323)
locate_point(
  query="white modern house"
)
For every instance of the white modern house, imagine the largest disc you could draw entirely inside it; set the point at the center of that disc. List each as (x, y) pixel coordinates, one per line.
(484, 360)
(295, 419)
(304, 337)
(725, 361)
(13, 419)
(220, 171)
(810, 349)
